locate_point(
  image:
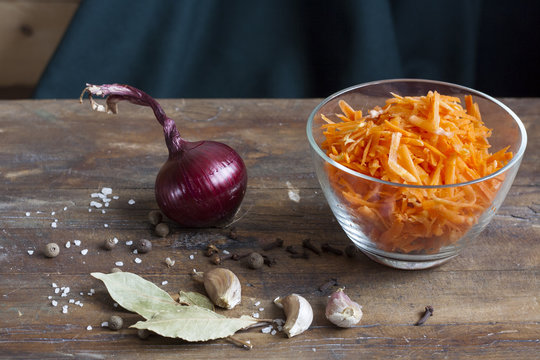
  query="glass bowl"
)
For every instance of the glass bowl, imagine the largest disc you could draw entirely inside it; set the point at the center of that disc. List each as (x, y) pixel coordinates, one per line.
(367, 224)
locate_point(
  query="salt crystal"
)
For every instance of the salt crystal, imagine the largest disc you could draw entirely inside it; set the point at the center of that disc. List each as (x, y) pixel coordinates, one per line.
(52, 213)
(71, 301)
(106, 191)
(273, 332)
(105, 324)
(77, 242)
(103, 211)
(64, 309)
(96, 204)
(77, 302)
(115, 240)
(266, 330)
(89, 328)
(119, 263)
(261, 309)
(54, 285)
(137, 260)
(314, 350)
(131, 202)
(106, 200)
(115, 304)
(92, 291)
(84, 251)
(279, 321)
(49, 297)
(68, 245)
(54, 303)
(54, 225)
(164, 282)
(57, 290)
(257, 303)
(129, 243)
(27, 213)
(106, 225)
(89, 210)
(135, 252)
(95, 195)
(65, 208)
(106, 204)
(81, 304)
(226, 252)
(63, 295)
(255, 315)
(116, 197)
(67, 289)
(191, 257)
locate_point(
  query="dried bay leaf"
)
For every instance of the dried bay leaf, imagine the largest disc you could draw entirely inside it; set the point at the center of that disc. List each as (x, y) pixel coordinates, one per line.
(136, 294)
(194, 323)
(195, 298)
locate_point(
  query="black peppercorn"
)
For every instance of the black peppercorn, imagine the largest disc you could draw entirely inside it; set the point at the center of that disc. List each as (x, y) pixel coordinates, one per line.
(162, 229)
(255, 260)
(109, 244)
(116, 322)
(52, 250)
(143, 246)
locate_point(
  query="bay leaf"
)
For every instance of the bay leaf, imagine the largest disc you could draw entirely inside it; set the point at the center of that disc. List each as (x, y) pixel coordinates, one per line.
(136, 294)
(195, 298)
(194, 323)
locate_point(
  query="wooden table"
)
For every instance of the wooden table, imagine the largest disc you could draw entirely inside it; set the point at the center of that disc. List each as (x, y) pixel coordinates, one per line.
(55, 154)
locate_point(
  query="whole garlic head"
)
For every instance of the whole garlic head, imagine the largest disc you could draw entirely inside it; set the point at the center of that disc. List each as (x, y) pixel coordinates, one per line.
(223, 287)
(298, 312)
(342, 311)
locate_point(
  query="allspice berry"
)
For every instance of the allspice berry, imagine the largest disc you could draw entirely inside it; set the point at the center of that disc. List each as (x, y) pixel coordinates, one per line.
(155, 217)
(109, 244)
(52, 250)
(143, 334)
(116, 322)
(255, 260)
(143, 246)
(115, 270)
(162, 229)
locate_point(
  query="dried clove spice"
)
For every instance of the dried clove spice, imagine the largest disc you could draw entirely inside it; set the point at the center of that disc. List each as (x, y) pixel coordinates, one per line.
(275, 244)
(310, 246)
(268, 261)
(326, 247)
(292, 250)
(427, 313)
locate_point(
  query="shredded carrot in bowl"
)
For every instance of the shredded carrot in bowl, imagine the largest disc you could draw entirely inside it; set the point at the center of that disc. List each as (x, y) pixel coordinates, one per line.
(422, 140)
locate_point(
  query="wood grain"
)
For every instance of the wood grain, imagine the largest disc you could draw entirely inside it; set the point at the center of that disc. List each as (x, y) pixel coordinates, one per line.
(54, 154)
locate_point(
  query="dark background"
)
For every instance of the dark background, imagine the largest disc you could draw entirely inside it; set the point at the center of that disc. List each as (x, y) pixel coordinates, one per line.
(295, 48)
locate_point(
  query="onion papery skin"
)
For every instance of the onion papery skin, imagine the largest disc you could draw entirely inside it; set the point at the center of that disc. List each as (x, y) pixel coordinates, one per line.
(202, 185)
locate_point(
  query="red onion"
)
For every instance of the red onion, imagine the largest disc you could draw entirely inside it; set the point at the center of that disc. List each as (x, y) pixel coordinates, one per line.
(202, 183)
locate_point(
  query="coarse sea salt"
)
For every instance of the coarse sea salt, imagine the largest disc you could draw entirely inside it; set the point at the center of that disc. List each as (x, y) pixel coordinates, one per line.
(131, 202)
(119, 263)
(54, 303)
(226, 252)
(54, 225)
(137, 260)
(164, 282)
(273, 332)
(89, 327)
(106, 225)
(27, 213)
(54, 285)
(257, 303)
(129, 243)
(96, 204)
(255, 315)
(68, 245)
(84, 252)
(266, 330)
(77, 242)
(106, 191)
(191, 257)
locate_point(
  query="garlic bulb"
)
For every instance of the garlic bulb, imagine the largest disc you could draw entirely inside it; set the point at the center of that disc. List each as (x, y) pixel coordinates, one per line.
(298, 312)
(342, 311)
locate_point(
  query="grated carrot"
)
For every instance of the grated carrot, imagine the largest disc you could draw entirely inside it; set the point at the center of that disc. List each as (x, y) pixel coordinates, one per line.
(420, 140)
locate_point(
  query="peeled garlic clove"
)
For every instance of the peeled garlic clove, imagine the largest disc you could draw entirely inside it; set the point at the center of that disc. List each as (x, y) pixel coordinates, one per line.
(298, 312)
(342, 311)
(223, 287)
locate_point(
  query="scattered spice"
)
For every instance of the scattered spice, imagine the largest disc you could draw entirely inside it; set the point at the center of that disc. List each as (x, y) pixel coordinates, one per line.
(427, 313)
(255, 260)
(143, 246)
(275, 244)
(329, 248)
(269, 261)
(143, 334)
(155, 217)
(291, 249)
(215, 259)
(211, 249)
(109, 244)
(52, 250)
(310, 246)
(116, 322)
(162, 229)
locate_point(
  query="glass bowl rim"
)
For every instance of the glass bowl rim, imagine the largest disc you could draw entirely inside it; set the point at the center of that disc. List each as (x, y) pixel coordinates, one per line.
(515, 159)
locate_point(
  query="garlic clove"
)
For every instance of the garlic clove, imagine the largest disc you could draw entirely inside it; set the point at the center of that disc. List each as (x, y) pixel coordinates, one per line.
(298, 312)
(342, 311)
(223, 287)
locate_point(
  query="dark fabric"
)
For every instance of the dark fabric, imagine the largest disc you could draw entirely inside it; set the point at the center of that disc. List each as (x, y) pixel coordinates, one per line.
(287, 48)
